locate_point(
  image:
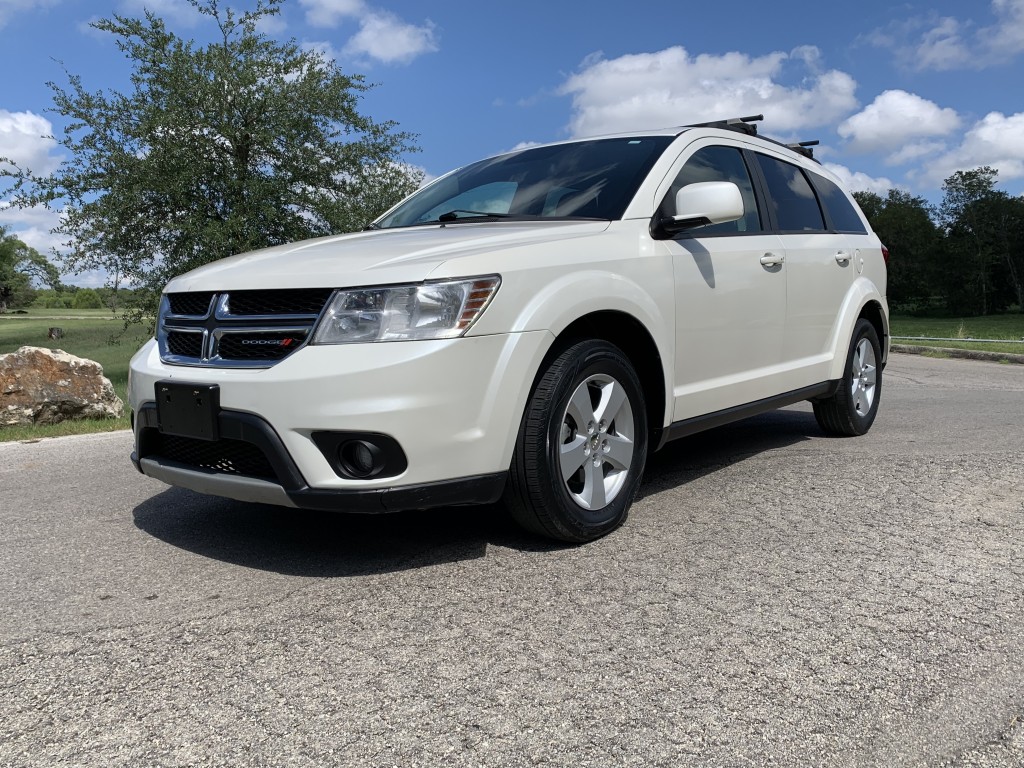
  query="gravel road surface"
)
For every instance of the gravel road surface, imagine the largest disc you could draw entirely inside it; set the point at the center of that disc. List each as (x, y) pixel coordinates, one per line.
(776, 598)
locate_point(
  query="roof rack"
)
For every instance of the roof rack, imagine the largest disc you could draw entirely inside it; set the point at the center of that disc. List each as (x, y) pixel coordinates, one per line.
(747, 125)
(741, 124)
(804, 148)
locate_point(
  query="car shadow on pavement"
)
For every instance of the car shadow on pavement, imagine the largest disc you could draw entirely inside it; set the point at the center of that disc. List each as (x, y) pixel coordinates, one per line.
(334, 544)
(326, 544)
(693, 457)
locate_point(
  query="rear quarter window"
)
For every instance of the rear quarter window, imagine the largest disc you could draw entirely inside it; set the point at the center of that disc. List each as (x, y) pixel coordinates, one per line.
(792, 199)
(840, 208)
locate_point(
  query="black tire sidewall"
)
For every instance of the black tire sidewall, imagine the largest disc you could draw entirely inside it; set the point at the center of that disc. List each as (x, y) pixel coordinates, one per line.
(587, 359)
(863, 330)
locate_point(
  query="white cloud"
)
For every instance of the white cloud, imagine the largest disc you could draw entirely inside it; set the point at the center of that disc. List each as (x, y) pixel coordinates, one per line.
(23, 140)
(94, 278)
(1006, 37)
(913, 151)
(12, 8)
(382, 35)
(943, 43)
(32, 226)
(330, 13)
(896, 119)
(809, 55)
(856, 181)
(325, 50)
(427, 176)
(271, 25)
(522, 145)
(942, 47)
(996, 140)
(670, 87)
(385, 37)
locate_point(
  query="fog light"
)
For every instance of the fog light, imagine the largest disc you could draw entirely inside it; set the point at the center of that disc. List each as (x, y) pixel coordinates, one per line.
(361, 455)
(360, 458)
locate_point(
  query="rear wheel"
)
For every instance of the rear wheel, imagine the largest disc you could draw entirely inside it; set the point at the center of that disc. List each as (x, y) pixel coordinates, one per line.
(581, 447)
(852, 409)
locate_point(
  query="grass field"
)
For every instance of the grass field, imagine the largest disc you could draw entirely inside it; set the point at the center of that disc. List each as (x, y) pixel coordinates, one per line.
(1009, 327)
(87, 333)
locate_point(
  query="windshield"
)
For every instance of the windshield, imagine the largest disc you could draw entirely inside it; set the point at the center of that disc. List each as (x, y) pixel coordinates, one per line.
(585, 179)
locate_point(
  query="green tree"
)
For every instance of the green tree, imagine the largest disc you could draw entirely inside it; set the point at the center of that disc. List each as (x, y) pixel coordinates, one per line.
(87, 298)
(238, 144)
(978, 222)
(905, 224)
(1004, 216)
(19, 266)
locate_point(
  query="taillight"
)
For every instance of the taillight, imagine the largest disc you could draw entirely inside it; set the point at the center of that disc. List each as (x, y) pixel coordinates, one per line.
(885, 254)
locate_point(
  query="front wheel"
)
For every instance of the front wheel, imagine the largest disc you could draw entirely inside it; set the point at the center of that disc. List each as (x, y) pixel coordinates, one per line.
(582, 446)
(852, 409)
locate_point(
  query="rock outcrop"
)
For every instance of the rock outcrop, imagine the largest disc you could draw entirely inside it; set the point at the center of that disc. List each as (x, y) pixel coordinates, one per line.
(47, 386)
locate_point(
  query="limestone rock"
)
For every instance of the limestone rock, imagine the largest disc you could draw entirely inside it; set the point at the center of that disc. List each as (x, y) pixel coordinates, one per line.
(47, 386)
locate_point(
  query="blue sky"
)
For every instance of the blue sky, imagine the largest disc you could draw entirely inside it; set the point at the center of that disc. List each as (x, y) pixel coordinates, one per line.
(899, 94)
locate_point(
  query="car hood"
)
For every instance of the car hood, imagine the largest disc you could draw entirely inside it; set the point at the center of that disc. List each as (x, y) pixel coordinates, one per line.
(375, 257)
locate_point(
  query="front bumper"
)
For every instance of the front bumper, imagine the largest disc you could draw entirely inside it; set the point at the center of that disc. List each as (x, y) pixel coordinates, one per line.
(453, 406)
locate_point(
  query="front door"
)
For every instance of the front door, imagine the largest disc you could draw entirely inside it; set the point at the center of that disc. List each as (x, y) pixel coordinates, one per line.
(730, 287)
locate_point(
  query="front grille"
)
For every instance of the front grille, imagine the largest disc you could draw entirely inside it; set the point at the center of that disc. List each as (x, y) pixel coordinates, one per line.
(304, 301)
(232, 457)
(185, 343)
(196, 304)
(269, 345)
(242, 329)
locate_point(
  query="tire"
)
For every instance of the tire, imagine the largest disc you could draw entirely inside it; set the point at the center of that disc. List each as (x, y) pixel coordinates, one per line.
(559, 487)
(852, 409)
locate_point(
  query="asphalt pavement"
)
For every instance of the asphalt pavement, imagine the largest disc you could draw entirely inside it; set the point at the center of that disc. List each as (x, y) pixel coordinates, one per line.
(777, 598)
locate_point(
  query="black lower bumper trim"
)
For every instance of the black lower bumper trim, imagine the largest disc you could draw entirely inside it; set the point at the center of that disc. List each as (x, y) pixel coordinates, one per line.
(480, 489)
(251, 429)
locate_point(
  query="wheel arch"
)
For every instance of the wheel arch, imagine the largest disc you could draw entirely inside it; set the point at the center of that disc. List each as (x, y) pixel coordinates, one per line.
(636, 343)
(874, 314)
(862, 301)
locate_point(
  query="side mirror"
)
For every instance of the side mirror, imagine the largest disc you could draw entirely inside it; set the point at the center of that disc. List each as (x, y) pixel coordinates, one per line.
(703, 203)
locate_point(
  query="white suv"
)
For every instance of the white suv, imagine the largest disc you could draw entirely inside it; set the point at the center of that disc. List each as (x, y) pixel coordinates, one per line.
(526, 328)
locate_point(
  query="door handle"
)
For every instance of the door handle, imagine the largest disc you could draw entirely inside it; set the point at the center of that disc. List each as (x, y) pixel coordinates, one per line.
(772, 260)
(842, 257)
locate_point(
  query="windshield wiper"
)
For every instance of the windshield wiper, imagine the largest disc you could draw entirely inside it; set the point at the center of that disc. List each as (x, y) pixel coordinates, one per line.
(453, 215)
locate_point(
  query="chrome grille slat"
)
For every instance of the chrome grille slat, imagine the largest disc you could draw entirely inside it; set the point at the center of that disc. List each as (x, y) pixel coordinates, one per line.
(185, 343)
(285, 301)
(195, 304)
(219, 329)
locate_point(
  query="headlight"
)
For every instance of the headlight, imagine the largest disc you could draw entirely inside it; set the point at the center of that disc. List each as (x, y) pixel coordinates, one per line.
(441, 310)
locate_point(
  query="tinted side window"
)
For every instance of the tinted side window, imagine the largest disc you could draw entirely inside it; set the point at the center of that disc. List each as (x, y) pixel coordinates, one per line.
(792, 199)
(717, 164)
(840, 209)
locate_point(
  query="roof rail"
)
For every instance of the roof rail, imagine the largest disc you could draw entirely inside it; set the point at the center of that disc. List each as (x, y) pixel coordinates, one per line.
(741, 124)
(747, 125)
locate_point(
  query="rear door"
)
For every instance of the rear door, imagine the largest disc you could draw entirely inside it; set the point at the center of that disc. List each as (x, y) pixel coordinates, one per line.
(819, 268)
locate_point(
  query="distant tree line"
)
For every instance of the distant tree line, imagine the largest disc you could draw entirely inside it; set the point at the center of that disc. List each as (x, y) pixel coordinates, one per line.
(75, 297)
(963, 257)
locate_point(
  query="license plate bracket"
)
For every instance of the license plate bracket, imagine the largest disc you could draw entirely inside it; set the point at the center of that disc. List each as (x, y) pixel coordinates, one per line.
(188, 410)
